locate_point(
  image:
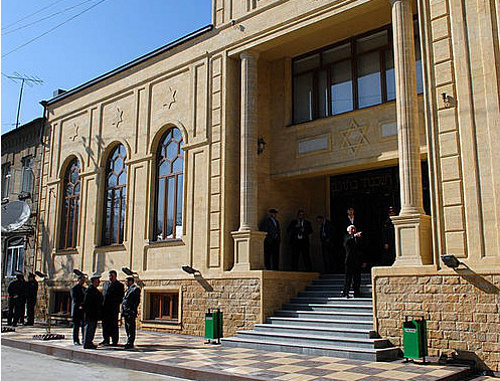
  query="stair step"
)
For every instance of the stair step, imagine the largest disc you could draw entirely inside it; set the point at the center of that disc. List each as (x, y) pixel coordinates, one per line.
(332, 322)
(329, 293)
(328, 307)
(352, 333)
(318, 339)
(366, 354)
(362, 317)
(333, 300)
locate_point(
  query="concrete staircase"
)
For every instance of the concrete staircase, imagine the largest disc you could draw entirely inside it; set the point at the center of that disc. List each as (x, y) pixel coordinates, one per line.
(320, 322)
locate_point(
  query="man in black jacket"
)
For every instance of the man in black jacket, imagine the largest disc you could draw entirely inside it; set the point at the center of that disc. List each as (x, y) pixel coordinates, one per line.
(92, 307)
(299, 231)
(112, 292)
(31, 293)
(77, 293)
(326, 237)
(272, 241)
(17, 300)
(130, 304)
(352, 241)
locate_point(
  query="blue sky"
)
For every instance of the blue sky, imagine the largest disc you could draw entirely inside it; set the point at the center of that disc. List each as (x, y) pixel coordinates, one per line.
(106, 36)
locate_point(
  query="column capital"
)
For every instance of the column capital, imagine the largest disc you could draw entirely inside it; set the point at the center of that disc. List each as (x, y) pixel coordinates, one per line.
(397, 1)
(249, 54)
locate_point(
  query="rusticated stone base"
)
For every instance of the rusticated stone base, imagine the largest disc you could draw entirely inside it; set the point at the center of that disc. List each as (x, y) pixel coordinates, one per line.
(462, 312)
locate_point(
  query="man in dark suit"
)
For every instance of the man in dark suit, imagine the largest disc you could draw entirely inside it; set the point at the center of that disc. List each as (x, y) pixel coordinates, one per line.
(17, 300)
(299, 231)
(92, 307)
(272, 241)
(31, 293)
(130, 304)
(112, 292)
(77, 293)
(352, 241)
(326, 237)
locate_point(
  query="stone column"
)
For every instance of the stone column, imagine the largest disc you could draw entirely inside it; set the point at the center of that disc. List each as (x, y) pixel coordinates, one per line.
(249, 242)
(412, 225)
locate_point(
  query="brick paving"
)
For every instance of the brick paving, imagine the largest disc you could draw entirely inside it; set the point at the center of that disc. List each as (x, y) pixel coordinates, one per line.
(189, 357)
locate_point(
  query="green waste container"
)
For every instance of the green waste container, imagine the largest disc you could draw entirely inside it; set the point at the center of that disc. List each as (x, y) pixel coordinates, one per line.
(415, 338)
(213, 325)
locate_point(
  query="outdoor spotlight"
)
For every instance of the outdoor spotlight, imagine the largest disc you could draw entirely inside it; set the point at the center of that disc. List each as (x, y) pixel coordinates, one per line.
(129, 272)
(40, 274)
(261, 144)
(77, 272)
(450, 260)
(190, 270)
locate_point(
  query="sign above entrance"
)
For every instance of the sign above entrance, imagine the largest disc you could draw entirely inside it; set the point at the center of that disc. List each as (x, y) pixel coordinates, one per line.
(316, 144)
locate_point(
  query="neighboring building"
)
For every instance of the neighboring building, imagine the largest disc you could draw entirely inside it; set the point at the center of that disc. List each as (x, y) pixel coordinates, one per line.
(21, 161)
(155, 164)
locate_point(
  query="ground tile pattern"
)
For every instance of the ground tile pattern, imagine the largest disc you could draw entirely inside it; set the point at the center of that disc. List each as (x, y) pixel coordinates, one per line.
(167, 351)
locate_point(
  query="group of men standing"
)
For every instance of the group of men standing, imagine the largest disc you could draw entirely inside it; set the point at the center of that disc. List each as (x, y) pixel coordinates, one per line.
(90, 305)
(349, 259)
(22, 299)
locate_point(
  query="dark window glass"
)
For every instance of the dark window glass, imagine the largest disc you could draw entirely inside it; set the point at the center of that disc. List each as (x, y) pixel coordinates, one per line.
(71, 206)
(163, 306)
(14, 259)
(303, 97)
(390, 81)
(27, 174)
(169, 186)
(115, 194)
(341, 87)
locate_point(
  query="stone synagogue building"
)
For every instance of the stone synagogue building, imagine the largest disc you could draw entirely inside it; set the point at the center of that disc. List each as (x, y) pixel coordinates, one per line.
(174, 159)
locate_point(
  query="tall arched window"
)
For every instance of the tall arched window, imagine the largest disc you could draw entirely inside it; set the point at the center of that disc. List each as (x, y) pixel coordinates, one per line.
(169, 186)
(115, 196)
(71, 205)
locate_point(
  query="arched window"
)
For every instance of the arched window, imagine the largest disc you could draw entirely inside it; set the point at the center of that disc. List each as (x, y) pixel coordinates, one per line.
(71, 205)
(169, 186)
(115, 196)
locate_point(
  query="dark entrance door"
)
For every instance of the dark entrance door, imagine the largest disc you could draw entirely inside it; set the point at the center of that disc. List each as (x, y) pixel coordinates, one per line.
(370, 193)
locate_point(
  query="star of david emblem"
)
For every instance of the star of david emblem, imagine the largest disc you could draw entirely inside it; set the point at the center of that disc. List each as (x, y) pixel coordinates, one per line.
(73, 137)
(118, 118)
(172, 98)
(354, 137)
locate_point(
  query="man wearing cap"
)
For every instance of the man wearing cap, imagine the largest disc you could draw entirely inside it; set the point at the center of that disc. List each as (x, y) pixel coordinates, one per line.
(17, 300)
(272, 241)
(31, 293)
(92, 308)
(77, 293)
(130, 304)
(112, 292)
(352, 241)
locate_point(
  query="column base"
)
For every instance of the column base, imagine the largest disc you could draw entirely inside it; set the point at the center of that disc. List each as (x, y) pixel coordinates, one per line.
(413, 240)
(248, 250)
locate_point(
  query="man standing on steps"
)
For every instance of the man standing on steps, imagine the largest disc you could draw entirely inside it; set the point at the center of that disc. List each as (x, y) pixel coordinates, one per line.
(299, 231)
(352, 242)
(272, 241)
(326, 237)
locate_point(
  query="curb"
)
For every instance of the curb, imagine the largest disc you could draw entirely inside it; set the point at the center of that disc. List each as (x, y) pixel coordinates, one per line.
(125, 363)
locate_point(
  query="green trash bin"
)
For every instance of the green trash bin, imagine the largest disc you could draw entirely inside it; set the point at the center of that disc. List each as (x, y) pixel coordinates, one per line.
(213, 325)
(415, 338)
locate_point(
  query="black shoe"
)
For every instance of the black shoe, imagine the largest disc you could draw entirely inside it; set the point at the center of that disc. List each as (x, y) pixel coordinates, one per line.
(76, 343)
(104, 343)
(91, 346)
(129, 346)
(113, 344)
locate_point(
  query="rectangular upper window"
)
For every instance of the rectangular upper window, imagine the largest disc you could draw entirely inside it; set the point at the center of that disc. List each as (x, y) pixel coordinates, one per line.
(27, 174)
(350, 75)
(6, 175)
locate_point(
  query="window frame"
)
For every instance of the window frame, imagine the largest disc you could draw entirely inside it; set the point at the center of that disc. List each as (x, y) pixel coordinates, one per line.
(353, 59)
(6, 176)
(27, 175)
(18, 251)
(69, 239)
(178, 194)
(118, 237)
(174, 306)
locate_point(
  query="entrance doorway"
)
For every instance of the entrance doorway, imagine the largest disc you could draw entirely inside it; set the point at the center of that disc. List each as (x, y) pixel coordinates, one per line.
(370, 193)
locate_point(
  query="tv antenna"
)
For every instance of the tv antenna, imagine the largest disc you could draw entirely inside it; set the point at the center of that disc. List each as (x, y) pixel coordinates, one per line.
(30, 81)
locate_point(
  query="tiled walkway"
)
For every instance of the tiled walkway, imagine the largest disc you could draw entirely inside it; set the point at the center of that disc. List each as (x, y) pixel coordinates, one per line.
(189, 357)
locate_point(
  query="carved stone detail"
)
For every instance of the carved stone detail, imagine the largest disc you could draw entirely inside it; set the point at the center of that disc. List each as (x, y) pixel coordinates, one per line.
(118, 118)
(354, 137)
(171, 99)
(73, 137)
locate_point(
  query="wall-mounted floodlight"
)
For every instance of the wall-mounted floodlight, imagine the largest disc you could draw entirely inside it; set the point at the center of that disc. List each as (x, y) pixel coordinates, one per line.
(129, 272)
(40, 274)
(450, 260)
(198, 277)
(190, 270)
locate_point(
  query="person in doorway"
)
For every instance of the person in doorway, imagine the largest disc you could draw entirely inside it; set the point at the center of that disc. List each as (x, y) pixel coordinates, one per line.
(326, 237)
(112, 292)
(351, 219)
(31, 294)
(299, 231)
(272, 241)
(388, 239)
(77, 294)
(17, 300)
(130, 304)
(352, 242)
(92, 308)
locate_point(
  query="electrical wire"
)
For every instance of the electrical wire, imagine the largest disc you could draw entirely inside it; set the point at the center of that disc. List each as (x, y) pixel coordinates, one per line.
(31, 14)
(52, 29)
(46, 17)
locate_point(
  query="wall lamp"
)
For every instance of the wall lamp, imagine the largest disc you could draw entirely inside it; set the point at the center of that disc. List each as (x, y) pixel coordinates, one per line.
(261, 144)
(198, 277)
(41, 275)
(190, 270)
(450, 260)
(446, 99)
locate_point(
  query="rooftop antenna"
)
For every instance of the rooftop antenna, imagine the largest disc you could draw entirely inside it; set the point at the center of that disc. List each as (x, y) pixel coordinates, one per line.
(30, 81)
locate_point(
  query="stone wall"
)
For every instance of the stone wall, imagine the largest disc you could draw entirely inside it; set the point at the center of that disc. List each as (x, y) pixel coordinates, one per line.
(462, 312)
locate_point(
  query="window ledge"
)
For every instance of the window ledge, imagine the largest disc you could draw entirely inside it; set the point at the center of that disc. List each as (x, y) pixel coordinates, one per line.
(70, 250)
(114, 247)
(167, 242)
